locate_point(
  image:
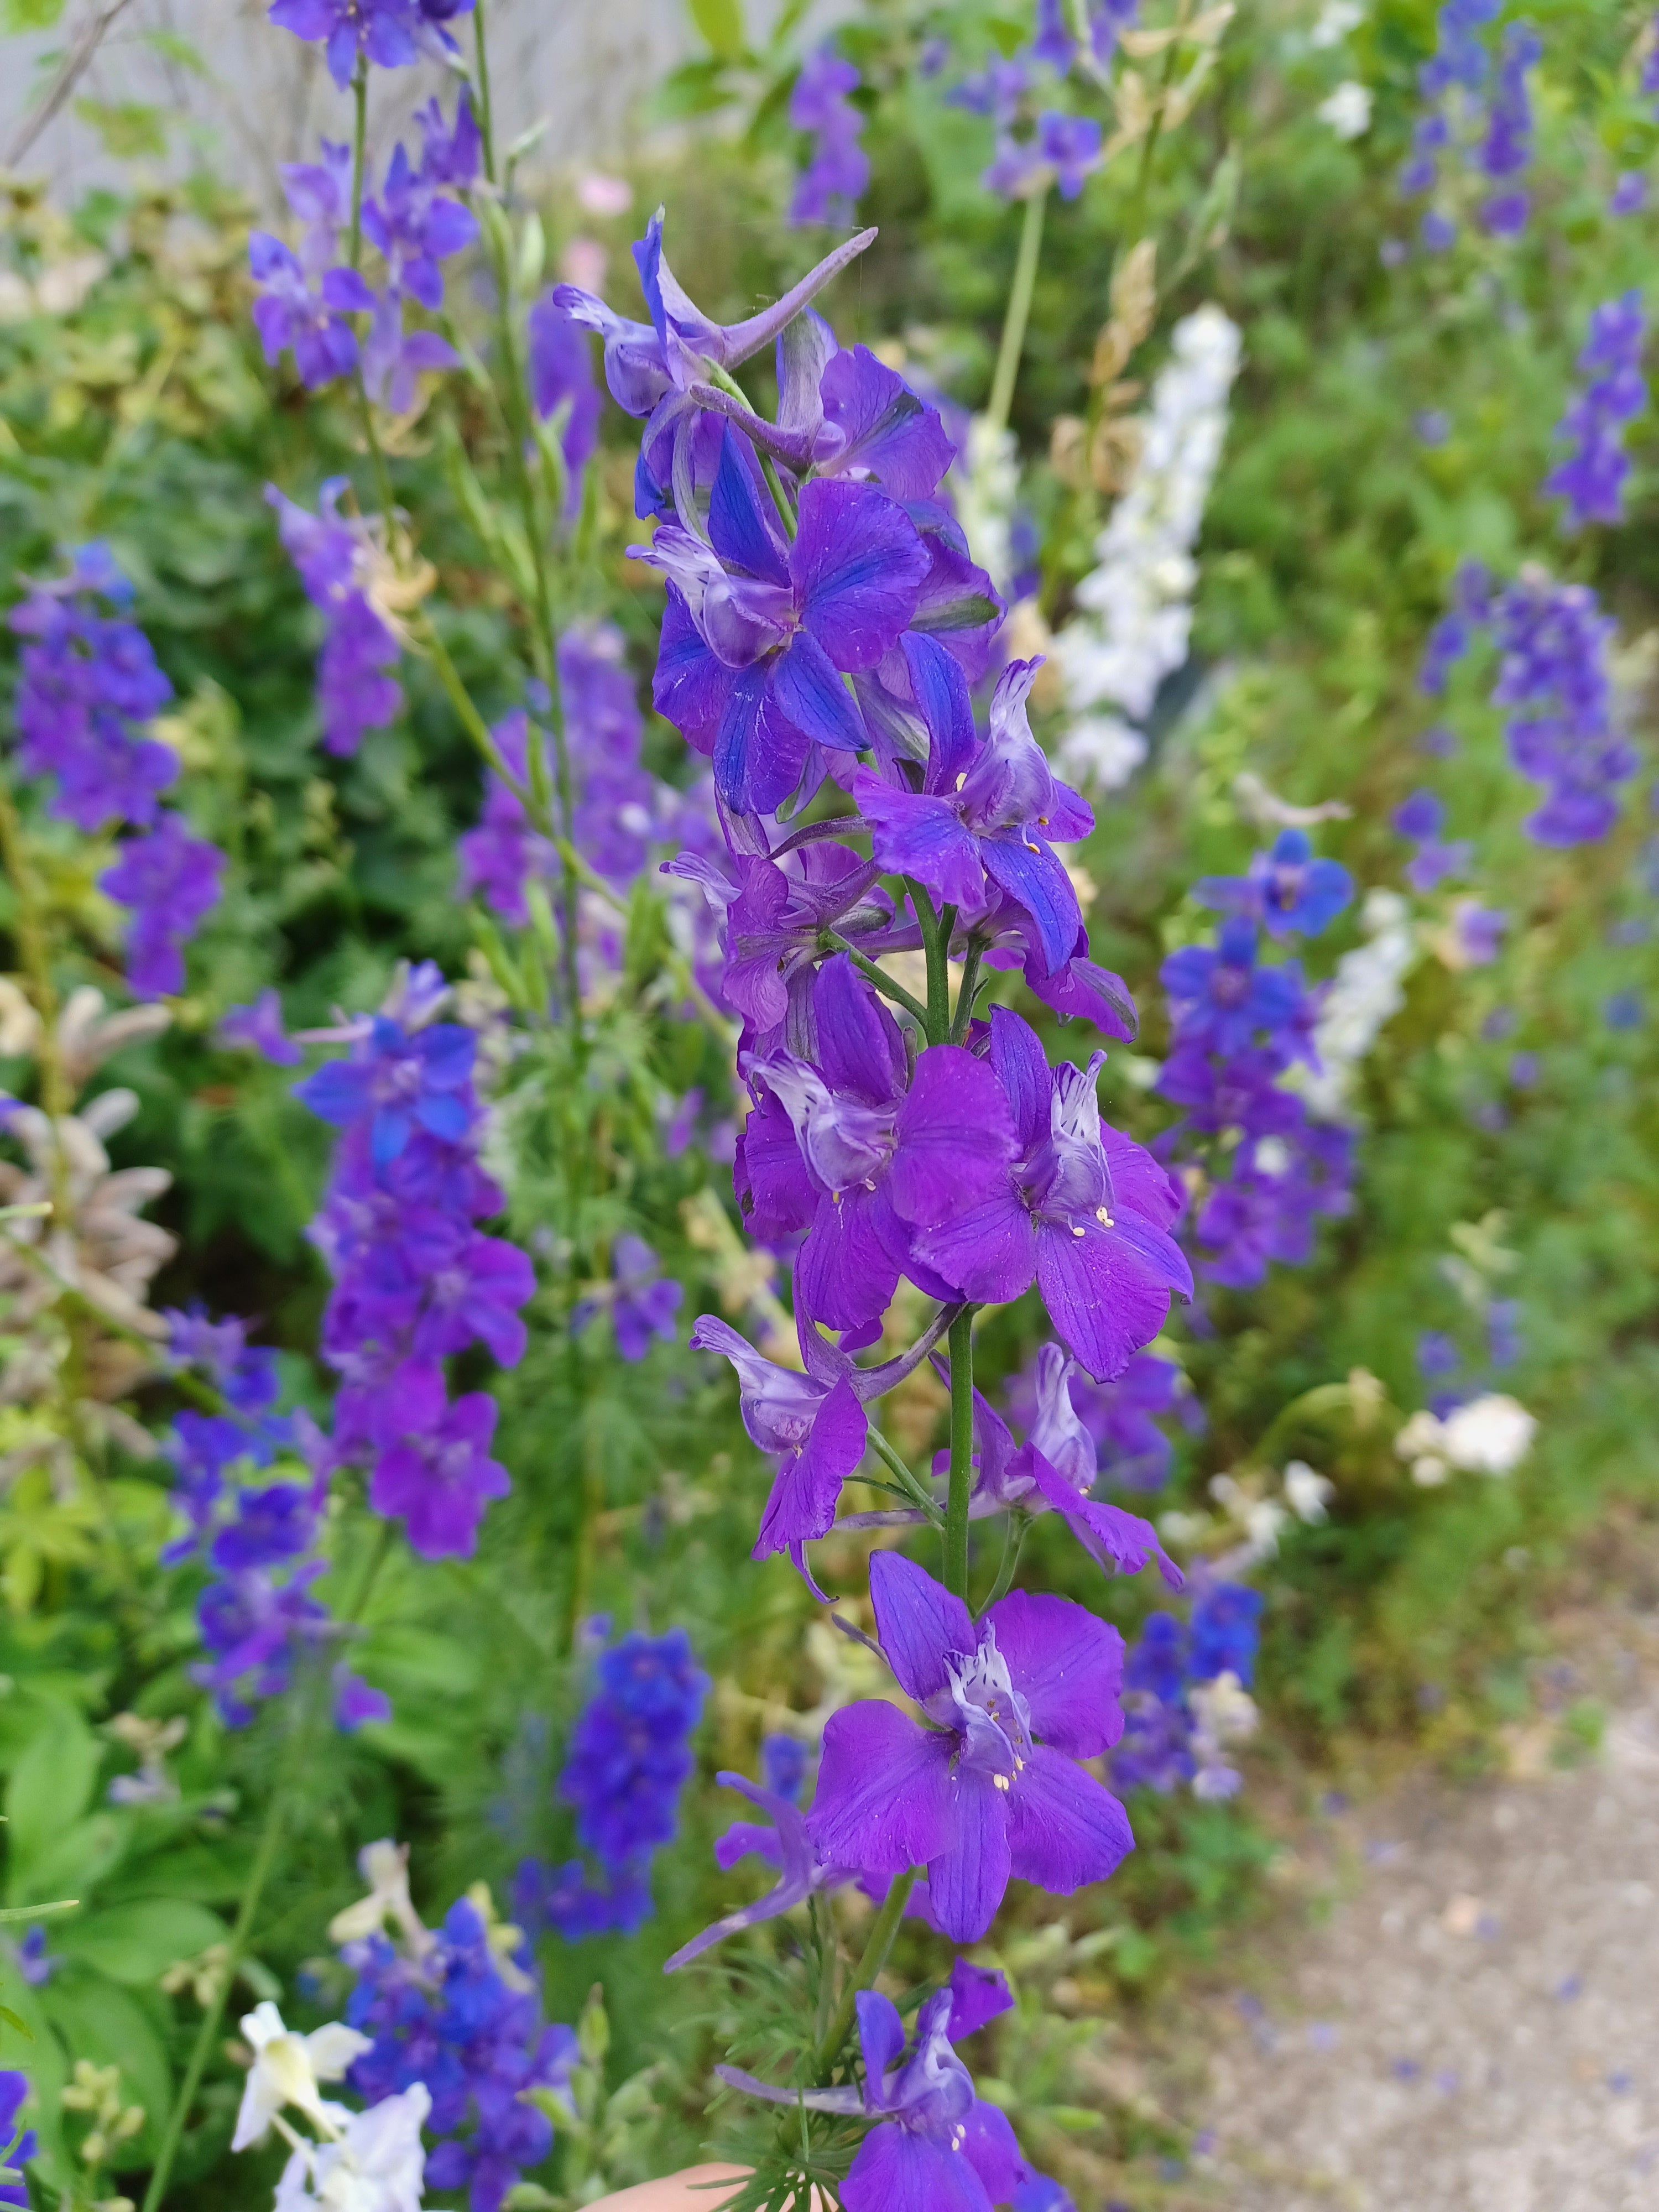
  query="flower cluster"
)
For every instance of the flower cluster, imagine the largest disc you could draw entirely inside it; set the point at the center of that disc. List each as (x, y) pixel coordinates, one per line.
(643, 1302)
(341, 566)
(88, 687)
(1185, 1694)
(1496, 132)
(825, 621)
(414, 1277)
(830, 187)
(373, 2160)
(630, 1757)
(1136, 611)
(17, 2145)
(1592, 479)
(1238, 1026)
(1554, 684)
(456, 2012)
(258, 1537)
(387, 34)
(1365, 992)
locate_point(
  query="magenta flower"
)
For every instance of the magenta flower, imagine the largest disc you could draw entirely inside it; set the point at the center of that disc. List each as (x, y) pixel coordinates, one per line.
(993, 1788)
(867, 1151)
(1084, 1213)
(258, 1028)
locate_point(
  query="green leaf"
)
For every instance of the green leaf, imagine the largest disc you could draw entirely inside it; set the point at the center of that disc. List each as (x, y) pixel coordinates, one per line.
(16, 2021)
(19, 15)
(128, 130)
(138, 1941)
(172, 48)
(51, 1787)
(720, 22)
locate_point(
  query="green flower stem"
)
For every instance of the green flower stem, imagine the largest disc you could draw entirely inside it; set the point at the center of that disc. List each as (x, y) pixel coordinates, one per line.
(966, 993)
(864, 1974)
(936, 944)
(1013, 1543)
(486, 114)
(359, 147)
(883, 982)
(910, 1484)
(1018, 313)
(961, 1341)
(265, 1859)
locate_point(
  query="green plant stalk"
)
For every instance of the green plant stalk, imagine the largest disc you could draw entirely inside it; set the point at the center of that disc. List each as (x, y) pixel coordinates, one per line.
(909, 1486)
(359, 149)
(486, 112)
(883, 982)
(1018, 313)
(961, 1340)
(880, 1943)
(963, 1019)
(1013, 1544)
(34, 942)
(258, 1875)
(936, 944)
(591, 1502)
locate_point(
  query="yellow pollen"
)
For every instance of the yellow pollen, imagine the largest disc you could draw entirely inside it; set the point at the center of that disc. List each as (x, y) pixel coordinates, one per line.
(961, 779)
(1103, 1218)
(1078, 1231)
(1030, 845)
(1001, 1781)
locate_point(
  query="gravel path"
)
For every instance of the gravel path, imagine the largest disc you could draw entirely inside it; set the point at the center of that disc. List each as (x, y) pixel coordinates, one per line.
(1476, 2027)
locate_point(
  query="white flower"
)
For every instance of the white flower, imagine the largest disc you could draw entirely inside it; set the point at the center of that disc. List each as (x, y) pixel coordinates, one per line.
(1337, 18)
(1489, 1436)
(378, 2164)
(1223, 1713)
(384, 1867)
(1307, 1493)
(1135, 615)
(1347, 110)
(985, 484)
(1103, 750)
(286, 2070)
(1366, 991)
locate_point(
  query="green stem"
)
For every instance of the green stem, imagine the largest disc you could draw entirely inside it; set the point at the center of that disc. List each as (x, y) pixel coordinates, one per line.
(909, 1483)
(1013, 1544)
(883, 982)
(961, 1021)
(265, 1859)
(486, 122)
(864, 1974)
(591, 1502)
(962, 1453)
(1018, 313)
(359, 147)
(377, 458)
(780, 497)
(936, 947)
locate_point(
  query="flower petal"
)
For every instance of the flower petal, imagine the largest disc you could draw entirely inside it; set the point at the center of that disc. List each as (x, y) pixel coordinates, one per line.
(967, 1880)
(1107, 1290)
(1064, 1828)
(902, 2170)
(912, 834)
(810, 694)
(922, 1624)
(956, 1138)
(883, 1801)
(858, 565)
(988, 1254)
(1067, 1665)
(802, 1505)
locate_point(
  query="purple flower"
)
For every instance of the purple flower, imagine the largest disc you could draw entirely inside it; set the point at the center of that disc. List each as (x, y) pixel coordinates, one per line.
(1438, 232)
(1064, 151)
(647, 1302)
(1552, 677)
(1223, 1000)
(814, 1422)
(258, 1028)
(389, 33)
(761, 629)
(1420, 817)
(293, 313)
(1084, 1211)
(1287, 890)
(1121, 1417)
(1592, 480)
(1630, 193)
(992, 1787)
(647, 363)
(37, 1968)
(87, 683)
(978, 1995)
(19, 2146)
(171, 881)
(434, 1468)
(829, 188)
(561, 377)
(631, 1750)
(414, 227)
(937, 2145)
(354, 690)
(1507, 147)
(863, 1150)
(983, 821)
(398, 1083)
(785, 1844)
